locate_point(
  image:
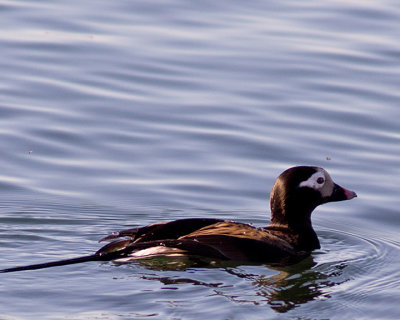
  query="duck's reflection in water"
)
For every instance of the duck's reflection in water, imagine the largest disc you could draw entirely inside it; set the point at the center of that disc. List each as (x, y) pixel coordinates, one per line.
(291, 287)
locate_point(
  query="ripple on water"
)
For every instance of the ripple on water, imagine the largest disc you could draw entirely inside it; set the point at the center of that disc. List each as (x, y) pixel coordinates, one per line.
(359, 263)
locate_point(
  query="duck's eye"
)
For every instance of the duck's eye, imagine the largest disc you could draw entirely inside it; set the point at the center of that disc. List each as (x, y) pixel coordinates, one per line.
(320, 180)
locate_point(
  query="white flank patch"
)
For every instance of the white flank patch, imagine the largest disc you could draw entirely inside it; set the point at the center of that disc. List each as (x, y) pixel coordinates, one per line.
(153, 251)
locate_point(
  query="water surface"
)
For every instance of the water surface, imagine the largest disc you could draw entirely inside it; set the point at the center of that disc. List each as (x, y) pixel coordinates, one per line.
(119, 114)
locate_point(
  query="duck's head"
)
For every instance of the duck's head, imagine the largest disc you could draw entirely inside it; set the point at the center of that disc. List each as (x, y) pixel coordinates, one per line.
(299, 190)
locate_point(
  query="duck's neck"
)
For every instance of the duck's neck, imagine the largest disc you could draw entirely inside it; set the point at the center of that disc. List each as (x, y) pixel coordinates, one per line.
(301, 238)
(294, 227)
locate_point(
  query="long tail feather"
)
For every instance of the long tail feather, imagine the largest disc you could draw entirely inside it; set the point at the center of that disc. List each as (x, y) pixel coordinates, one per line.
(93, 257)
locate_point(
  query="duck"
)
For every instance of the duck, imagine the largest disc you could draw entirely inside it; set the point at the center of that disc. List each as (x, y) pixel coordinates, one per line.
(288, 237)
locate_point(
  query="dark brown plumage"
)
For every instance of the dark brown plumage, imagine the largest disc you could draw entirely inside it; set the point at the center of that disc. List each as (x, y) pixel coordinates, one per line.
(289, 236)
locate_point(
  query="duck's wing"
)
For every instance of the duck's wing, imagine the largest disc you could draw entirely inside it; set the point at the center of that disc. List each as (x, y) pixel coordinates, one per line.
(242, 242)
(156, 235)
(162, 230)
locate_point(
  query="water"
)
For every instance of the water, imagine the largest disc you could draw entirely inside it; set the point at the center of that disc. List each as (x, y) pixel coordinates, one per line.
(119, 114)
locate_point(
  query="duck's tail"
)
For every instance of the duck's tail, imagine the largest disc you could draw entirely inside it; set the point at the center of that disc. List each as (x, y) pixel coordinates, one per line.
(92, 257)
(108, 252)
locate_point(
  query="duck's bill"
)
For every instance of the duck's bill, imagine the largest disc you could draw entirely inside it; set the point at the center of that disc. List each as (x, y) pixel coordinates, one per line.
(340, 193)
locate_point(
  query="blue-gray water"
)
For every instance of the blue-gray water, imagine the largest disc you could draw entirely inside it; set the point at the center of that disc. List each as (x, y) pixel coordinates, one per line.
(116, 114)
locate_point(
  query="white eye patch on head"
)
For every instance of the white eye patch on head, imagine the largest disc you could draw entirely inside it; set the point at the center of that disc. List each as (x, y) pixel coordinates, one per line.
(316, 181)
